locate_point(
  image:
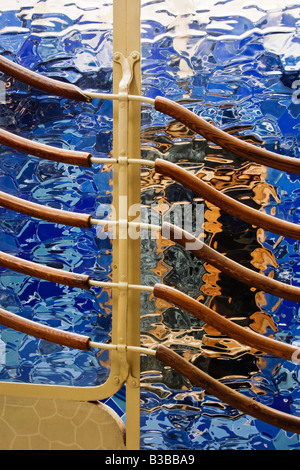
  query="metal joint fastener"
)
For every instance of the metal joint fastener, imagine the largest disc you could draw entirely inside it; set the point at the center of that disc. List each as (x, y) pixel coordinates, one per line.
(122, 160)
(121, 348)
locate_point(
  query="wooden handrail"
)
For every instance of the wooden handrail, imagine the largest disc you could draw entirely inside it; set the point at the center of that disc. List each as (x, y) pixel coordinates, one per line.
(226, 203)
(169, 358)
(29, 327)
(229, 142)
(44, 151)
(47, 273)
(41, 82)
(44, 212)
(227, 327)
(228, 266)
(233, 398)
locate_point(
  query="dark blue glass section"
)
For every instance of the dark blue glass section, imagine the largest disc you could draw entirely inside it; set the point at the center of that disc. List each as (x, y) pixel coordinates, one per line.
(74, 44)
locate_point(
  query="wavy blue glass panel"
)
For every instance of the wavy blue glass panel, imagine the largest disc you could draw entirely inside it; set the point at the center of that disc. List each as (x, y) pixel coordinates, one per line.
(236, 64)
(71, 41)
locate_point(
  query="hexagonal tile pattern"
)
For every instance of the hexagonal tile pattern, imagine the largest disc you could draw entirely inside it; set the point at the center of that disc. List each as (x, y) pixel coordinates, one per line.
(42, 424)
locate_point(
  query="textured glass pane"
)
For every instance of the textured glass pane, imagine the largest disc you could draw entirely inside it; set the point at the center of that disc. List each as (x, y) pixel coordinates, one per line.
(235, 64)
(70, 41)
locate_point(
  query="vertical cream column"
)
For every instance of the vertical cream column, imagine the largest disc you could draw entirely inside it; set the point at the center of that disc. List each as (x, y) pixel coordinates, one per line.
(126, 30)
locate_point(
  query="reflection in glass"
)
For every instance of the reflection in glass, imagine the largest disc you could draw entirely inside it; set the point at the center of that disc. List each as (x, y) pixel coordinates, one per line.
(237, 71)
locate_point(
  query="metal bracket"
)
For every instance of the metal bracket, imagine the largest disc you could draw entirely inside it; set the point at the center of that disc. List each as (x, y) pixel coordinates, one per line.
(132, 381)
(127, 65)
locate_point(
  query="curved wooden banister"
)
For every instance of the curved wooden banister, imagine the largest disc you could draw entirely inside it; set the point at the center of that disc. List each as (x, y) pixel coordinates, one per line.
(44, 212)
(29, 327)
(227, 327)
(41, 82)
(226, 203)
(229, 142)
(44, 272)
(226, 394)
(44, 151)
(228, 266)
